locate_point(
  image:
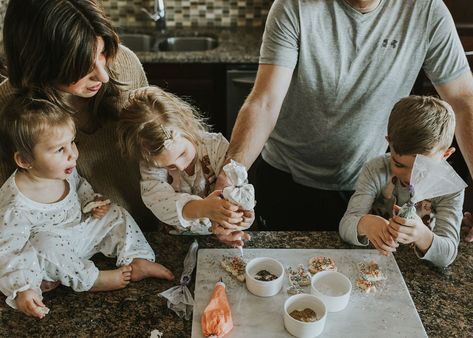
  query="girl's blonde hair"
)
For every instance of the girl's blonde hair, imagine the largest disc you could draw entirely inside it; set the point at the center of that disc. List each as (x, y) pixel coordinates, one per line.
(145, 123)
(25, 119)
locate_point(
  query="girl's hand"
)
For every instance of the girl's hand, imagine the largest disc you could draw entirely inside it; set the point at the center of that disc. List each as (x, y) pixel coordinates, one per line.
(221, 211)
(30, 303)
(376, 229)
(99, 212)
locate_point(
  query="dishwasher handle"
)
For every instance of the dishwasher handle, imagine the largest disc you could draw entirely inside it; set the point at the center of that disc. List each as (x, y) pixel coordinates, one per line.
(247, 81)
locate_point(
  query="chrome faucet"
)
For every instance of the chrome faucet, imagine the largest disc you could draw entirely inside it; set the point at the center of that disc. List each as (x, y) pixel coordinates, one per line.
(159, 15)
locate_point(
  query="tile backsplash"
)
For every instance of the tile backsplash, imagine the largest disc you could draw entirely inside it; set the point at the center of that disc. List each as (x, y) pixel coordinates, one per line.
(190, 13)
(182, 13)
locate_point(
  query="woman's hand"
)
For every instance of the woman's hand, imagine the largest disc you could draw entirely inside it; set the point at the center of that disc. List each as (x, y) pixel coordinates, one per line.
(30, 303)
(376, 229)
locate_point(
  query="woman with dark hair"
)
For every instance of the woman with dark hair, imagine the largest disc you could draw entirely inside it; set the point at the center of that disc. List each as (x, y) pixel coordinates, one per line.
(68, 52)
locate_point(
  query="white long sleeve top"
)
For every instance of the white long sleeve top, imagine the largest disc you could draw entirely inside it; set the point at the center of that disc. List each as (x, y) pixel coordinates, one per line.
(166, 193)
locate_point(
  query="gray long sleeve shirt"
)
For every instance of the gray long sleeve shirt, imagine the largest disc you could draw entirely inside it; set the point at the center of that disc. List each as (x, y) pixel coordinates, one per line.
(448, 212)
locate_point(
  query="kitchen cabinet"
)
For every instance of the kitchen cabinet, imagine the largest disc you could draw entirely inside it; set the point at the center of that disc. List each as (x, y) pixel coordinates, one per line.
(202, 85)
(208, 86)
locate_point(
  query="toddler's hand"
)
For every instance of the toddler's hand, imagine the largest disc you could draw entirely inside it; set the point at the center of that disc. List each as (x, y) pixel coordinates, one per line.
(99, 212)
(221, 211)
(30, 303)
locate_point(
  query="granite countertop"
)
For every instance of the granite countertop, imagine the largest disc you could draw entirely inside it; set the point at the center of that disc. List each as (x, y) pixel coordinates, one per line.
(442, 298)
(236, 45)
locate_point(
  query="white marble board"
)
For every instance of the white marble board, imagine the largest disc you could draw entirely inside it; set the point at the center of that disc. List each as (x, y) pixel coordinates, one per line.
(390, 312)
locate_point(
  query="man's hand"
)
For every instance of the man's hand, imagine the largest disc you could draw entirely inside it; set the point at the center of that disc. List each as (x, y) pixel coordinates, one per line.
(222, 180)
(467, 226)
(376, 229)
(230, 237)
(30, 303)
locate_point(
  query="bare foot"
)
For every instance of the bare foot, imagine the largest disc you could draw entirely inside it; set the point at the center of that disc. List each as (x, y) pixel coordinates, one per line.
(143, 268)
(47, 286)
(112, 279)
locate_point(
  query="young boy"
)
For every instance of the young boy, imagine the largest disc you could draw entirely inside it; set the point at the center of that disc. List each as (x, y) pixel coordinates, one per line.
(417, 125)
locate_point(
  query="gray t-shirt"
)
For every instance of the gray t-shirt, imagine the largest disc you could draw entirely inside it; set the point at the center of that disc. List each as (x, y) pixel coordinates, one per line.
(349, 70)
(447, 209)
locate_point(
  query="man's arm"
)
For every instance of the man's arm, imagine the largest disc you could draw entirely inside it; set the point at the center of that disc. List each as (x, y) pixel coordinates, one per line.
(259, 113)
(459, 93)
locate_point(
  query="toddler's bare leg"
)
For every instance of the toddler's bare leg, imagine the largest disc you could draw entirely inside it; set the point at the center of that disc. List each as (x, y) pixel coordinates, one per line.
(142, 268)
(47, 286)
(112, 279)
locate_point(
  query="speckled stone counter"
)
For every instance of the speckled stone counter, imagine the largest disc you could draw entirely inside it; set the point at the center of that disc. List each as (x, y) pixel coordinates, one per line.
(236, 45)
(443, 298)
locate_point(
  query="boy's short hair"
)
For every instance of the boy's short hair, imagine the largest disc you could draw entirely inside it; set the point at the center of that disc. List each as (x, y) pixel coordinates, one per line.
(24, 119)
(144, 122)
(420, 125)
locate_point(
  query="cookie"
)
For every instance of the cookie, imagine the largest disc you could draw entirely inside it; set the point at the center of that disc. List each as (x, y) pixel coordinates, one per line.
(321, 263)
(235, 265)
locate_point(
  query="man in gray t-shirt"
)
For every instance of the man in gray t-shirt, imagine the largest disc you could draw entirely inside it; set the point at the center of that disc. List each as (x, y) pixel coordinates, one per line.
(330, 72)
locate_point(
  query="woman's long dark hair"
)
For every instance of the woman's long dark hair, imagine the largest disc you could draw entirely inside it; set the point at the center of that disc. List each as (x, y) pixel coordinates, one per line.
(54, 42)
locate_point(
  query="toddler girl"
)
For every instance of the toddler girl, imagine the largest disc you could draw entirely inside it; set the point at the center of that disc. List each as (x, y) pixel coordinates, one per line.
(44, 232)
(178, 161)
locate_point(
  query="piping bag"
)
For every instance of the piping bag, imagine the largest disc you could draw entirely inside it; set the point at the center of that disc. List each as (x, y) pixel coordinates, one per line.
(431, 177)
(216, 319)
(179, 297)
(240, 192)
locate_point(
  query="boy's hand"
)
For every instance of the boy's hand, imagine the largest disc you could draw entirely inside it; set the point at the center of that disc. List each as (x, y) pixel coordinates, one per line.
(408, 231)
(30, 303)
(221, 211)
(376, 229)
(99, 212)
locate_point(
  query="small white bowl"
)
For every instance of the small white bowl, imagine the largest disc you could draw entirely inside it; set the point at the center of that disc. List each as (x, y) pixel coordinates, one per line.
(262, 288)
(333, 287)
(304, 329)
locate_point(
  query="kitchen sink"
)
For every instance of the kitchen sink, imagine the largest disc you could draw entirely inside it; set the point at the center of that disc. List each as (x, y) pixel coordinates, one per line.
(148, 43)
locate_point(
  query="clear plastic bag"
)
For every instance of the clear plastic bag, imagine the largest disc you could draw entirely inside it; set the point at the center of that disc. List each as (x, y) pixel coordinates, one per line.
(179, 298)
(431, 177)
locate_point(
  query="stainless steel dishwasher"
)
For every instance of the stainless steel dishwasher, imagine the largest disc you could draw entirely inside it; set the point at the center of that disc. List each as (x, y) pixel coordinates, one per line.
(239, 82)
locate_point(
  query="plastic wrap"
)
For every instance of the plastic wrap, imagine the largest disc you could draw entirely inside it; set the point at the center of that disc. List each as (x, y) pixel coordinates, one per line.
(179, 298)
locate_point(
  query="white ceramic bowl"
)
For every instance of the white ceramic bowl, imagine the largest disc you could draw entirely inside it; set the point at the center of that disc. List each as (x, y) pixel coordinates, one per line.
(262, 288)
(304, 329)
(333, 287)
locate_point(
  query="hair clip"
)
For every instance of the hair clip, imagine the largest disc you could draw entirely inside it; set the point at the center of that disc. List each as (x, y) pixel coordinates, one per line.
(167, 137)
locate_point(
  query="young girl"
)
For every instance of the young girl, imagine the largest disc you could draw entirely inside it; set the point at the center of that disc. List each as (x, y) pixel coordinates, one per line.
(179, 159)
(45, 233)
